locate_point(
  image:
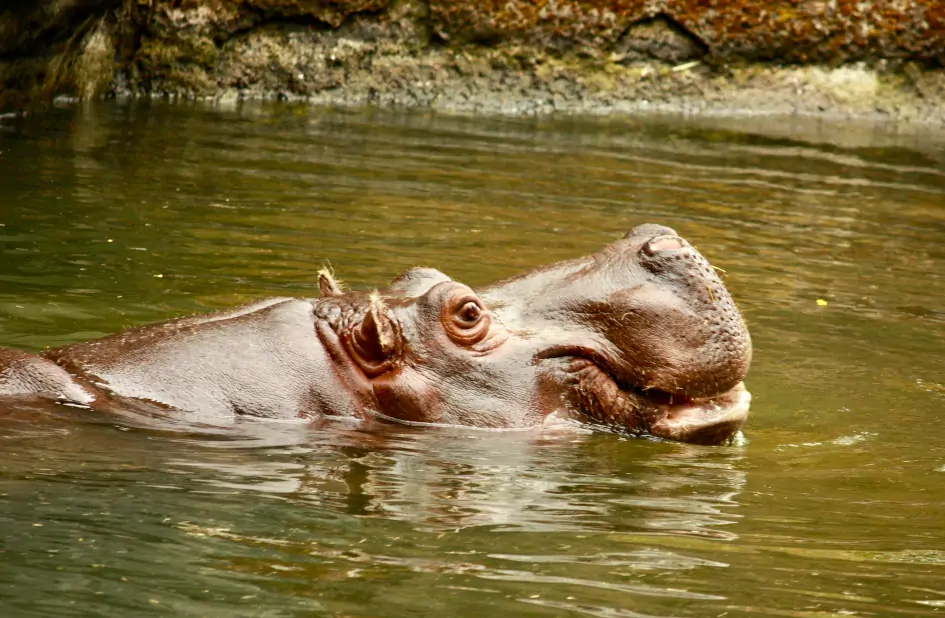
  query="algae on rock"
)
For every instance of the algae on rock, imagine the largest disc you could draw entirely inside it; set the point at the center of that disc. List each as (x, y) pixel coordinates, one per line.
(520, 56)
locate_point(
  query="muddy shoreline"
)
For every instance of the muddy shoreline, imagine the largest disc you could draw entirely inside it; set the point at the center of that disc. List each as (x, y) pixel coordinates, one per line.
(810, 58)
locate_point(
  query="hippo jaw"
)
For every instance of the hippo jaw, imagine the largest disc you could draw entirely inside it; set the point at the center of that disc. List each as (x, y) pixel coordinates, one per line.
(599, 398)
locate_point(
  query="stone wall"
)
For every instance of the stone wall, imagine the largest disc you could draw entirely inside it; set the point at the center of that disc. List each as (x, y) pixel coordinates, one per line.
(810, 56)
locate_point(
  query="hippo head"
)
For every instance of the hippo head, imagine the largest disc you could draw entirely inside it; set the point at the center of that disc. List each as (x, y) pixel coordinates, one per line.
(641, 336)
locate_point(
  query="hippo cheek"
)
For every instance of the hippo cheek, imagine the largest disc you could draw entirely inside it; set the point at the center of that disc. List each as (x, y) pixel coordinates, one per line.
(407, 396)
(480, 400)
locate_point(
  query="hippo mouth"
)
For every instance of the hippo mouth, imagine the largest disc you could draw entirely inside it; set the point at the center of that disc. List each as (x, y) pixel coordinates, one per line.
(603, 398)
(706, 420)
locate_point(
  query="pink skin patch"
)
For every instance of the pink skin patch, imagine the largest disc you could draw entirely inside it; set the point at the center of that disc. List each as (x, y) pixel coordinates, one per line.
(664, 243)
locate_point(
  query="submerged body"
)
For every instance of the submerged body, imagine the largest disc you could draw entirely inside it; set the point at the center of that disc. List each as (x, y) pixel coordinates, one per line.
(641, 336)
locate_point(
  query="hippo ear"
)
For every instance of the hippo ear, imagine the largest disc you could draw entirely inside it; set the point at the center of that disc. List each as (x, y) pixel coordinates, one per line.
(374, 340)
(327, 284)
(383, 329)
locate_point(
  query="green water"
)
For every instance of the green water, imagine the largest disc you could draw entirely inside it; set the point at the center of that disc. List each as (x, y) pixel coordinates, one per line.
(116, 216)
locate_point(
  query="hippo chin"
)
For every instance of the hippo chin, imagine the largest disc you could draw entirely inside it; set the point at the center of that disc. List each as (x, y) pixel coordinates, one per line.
(641, 337)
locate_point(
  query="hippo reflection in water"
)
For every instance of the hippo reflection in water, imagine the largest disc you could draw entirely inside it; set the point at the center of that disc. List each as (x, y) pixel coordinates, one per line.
(641, 337)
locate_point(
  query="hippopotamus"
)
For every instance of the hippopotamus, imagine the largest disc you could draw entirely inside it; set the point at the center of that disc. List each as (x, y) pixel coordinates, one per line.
(641, 337)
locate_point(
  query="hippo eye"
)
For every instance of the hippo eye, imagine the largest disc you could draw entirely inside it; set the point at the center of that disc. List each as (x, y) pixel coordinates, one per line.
(465, 319)
(469, 313)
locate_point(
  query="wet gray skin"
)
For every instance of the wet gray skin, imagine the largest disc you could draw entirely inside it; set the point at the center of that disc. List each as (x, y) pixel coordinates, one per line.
(641, 336)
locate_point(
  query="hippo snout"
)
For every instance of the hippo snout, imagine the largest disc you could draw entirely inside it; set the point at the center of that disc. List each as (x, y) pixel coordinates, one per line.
(701, 342)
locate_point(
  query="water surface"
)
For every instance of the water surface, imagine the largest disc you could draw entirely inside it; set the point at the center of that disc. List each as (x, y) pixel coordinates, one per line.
(115, 216)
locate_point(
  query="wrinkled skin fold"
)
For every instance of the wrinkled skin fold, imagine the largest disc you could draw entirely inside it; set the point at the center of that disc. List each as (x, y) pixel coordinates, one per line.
(641, 337)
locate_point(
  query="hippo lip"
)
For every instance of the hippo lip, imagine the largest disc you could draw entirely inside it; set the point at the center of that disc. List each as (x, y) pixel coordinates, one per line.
(710, 420)
(617, 402)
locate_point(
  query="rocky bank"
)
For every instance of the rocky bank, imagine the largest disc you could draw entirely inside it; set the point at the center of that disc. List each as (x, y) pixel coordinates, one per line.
(881, 59)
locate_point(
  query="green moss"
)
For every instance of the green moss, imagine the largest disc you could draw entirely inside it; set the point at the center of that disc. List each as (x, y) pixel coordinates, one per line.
(179, 62)
(163, 52)
(95, 66)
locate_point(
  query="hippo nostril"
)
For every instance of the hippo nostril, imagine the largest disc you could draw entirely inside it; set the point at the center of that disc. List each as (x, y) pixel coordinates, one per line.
(650, 230)
(663, 243)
